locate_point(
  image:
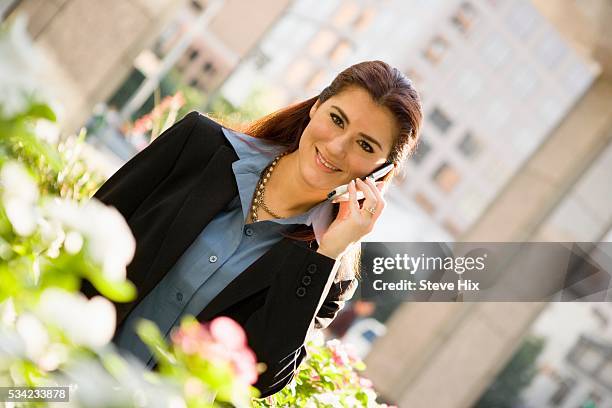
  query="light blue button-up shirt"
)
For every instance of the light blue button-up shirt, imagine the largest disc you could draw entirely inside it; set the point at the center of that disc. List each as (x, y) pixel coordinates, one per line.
(224, 249)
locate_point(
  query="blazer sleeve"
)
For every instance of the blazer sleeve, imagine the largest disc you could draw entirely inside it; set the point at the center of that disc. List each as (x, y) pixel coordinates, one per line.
(344, 287)
(136, 179)
(339, 293)
(278, 330)
(132, 183)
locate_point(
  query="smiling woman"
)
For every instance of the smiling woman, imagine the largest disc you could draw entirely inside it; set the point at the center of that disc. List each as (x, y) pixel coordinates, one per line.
(237, 224)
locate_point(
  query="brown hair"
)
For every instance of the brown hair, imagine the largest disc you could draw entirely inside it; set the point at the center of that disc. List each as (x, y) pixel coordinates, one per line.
(387, 86)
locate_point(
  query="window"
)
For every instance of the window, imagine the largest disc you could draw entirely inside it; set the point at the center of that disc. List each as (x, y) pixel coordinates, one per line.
(446, 177)
(340, 51)
(589, 358)
(345, 14)
(496, 50)
(365, 19)
(421, 151)
(298, 72)
(197, 6)
(522, 20)
(424, 202)
(605, 375)
(440, 120)
(322, 43)
(469, 145)
(565, 387)
(193, 54)
(464, 18)
(451, 227)
(369, 336)
(524, 80)
(469, 84)
(550, 49)
(260, 59)
(209, 68)
(436, 49)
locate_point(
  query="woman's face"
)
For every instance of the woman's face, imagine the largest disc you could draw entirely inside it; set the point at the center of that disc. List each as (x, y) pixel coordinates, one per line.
(351, 134)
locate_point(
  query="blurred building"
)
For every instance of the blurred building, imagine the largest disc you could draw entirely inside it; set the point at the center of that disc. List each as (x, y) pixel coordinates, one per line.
(91, 45)
(561, 192)
(106, 50)
(516, 146)
(234, 34)
(488, 73)
(205, 41)
(576, 365)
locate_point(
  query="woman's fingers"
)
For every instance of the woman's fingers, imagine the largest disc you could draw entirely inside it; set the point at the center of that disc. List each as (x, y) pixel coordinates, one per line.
(353, 203)
(369, 203)
(380, 200)
(382, 186)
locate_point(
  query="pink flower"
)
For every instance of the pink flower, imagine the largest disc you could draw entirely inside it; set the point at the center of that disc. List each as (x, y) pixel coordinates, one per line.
(189, 338)
(351, 352)
(339, 355)
(366, 383)
(245, 364)
(226, 331)
(220, 341)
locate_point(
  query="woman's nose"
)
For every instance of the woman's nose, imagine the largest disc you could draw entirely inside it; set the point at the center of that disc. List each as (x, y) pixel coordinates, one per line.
(337, 147)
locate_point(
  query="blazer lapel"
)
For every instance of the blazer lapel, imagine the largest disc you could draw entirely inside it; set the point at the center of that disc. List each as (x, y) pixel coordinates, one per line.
(213, 191)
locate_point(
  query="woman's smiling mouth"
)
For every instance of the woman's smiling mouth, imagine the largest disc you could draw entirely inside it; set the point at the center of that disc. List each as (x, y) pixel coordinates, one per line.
(324, 164)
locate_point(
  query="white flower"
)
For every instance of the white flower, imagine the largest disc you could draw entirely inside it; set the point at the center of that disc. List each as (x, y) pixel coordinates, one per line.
(8, 315)
(47, 131)
(89, 323)
(33, 333)
(73, 242)
(329, 398)
(19, 197)
(53, 235)
(22, 71)
(109, 238)
(55, 355)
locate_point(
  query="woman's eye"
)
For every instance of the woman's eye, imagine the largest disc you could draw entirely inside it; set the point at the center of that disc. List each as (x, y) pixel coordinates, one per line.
(337, 120)
(366, 146)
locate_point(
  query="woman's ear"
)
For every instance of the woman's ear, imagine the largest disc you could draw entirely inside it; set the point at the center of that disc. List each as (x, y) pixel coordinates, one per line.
(314, 108)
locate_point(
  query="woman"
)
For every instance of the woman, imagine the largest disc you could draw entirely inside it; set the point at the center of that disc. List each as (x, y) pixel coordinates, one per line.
(236, 225)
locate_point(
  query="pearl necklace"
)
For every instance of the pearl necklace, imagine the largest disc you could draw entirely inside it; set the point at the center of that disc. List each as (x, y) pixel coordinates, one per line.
(260, 191)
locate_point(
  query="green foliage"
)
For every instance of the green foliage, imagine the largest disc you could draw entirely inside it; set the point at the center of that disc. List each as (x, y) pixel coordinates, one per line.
(57, 169)
(237, 116)
(52, 237)
(516, 375)
(329, 377)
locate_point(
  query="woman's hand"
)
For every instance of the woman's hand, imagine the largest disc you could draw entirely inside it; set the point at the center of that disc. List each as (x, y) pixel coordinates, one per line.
(353, 222)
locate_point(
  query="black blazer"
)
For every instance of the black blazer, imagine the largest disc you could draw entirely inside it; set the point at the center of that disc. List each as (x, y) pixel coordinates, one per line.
(168, 193)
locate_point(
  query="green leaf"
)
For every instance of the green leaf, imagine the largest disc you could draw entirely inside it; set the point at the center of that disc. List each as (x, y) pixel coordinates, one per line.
(152, 337)
(39, 111)
(123, 291)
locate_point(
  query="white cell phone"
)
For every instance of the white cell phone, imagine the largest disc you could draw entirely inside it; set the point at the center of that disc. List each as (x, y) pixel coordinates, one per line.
(341, 193)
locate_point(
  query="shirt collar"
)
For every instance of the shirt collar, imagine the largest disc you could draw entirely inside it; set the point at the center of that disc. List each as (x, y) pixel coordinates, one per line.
(253, 157)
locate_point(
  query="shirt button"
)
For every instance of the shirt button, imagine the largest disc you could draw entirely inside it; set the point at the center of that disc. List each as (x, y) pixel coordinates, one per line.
(248, 232)
(300, 292)
(179, 296)
(306, 280)
(213, 258)
(312, 268)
